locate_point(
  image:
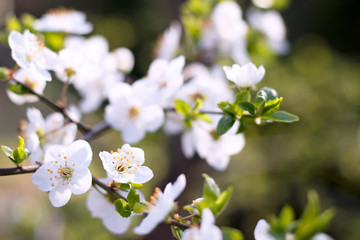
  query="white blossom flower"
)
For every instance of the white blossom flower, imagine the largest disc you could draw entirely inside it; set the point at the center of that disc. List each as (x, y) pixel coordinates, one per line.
(262, 228)
(227, 19)
(101, 205)
(161, 205)
(130, 115)
(261, 231)
(124, 59)
(169, 42)
(272, 25)
(246, 75)
(164, 78)
(31, 78)
(125, 165)
(208, 229)
(65, 171)
(216, 150)
(63, 20)
(41, 133)
(29, 52)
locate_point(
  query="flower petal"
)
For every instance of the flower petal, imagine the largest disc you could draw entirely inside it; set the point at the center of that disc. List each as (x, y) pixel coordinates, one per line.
(81, 182)
(143, 174)
(60, 195)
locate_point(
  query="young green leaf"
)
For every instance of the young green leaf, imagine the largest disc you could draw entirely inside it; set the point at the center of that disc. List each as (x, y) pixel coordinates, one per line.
(133, 197)
(222, 201)
(210, 190)
(138, 207)
(247, 106)
(8, 152)
(182, 107)
(123, 208)
(243, 97)
(224, 124)
(18, 89)
(281, 116)
(231, 234)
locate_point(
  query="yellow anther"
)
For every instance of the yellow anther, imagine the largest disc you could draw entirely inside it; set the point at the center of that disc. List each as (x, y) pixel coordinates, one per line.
(127, 152)
(63, 183)
(56, 161)
(111, 152)
(55, 176)
(52, 184)
(67, 182)
(51, 178)
(118, 150)
(59, 155)
(65, 157)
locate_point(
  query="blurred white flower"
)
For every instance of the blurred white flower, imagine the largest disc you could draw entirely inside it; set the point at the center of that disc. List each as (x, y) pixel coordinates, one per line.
(41, 133)
(227, 19)
(246, 75)
(272, 25)
(90, 67)
(261, 231)
(65, 171)
(31, 78)
(169, 42)
(262, 228)
(125, 165)
(216, 150)
(124, 59)
(164, 78)
(161, 205)
(101, 205)
(128, 114)
(208, 229)
(29, 52)
(63, 20)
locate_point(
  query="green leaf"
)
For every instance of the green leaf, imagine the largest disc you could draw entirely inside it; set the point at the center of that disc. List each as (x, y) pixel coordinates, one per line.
(281, 116)
(122, 207)
(261, 96)
(243, 97)
(182, 107)
(203, 116)
(224, 124)
(19, 155)
(18, 89)
(231, 234)
(176, 231)
(8, 152)
(136, 185)
(211, 190)
(272, 106)
(228, 109)
(271, 93)
(247, 106)
(4, 73)
(139, 207)
(222, 201)
(13, 24)
(260, 108)
(124, 186)
(286, 216)
(242, 127)
(133, 197)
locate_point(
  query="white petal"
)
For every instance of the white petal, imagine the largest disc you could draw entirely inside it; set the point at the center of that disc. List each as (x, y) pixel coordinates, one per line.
(173, 191)
(81, 181)
(262, 231)
(41, 178)
(142, 175)
(60, 195)
(81, 153)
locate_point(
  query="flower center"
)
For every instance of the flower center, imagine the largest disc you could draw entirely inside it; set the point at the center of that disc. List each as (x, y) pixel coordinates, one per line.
(60, 11)
(63, 173)
(124, 164)
(133, 112)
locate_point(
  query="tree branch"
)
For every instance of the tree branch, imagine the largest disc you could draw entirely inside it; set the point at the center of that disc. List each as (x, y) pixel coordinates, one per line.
(54, 106)
(178, 224)
(18, 170)
(95, 131)
(200, 111)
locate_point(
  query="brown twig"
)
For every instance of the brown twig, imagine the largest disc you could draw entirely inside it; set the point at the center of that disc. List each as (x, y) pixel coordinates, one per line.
(54, 106)
(18, 170)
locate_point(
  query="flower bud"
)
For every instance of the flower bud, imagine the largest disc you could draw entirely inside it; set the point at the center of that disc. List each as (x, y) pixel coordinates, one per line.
(4, 74)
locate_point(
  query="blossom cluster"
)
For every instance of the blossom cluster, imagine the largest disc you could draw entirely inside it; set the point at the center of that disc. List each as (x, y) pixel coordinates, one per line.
(177, 94)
